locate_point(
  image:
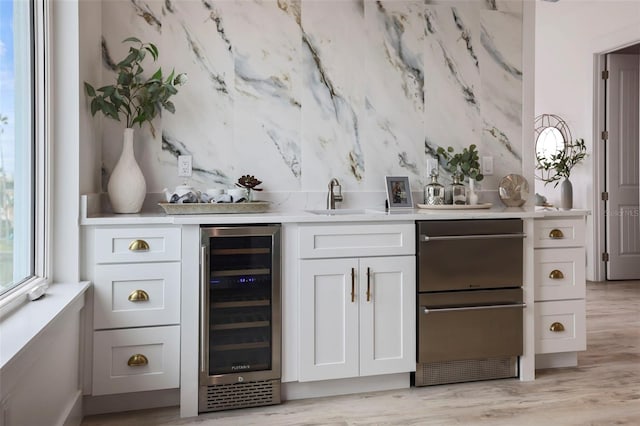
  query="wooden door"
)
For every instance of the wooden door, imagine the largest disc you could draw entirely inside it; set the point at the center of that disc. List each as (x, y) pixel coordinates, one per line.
(623, 171)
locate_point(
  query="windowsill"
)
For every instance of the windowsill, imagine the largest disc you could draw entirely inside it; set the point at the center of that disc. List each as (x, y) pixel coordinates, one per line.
(24, 323)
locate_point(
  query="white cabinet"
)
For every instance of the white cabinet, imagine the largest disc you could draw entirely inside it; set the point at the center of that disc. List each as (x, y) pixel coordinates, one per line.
(136, 308)
(559, 271)
(357, 314)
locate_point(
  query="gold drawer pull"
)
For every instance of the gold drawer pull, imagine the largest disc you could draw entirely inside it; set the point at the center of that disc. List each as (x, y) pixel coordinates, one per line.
(139, 245)
(138, 296)
(556, 327)
(556, 275)
(137, 360)
(556, 234)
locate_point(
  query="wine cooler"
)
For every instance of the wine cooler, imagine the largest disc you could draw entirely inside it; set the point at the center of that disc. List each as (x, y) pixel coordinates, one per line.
(240, 317)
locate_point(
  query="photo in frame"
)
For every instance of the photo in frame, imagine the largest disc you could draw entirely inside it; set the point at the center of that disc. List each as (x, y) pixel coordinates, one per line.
(399, 192)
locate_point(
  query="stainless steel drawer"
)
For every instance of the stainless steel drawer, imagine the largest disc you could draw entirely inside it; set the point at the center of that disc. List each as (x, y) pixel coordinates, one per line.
(469, 254)
(469, 325)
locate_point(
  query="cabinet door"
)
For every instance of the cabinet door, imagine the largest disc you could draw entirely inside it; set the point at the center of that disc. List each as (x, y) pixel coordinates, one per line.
(328, 319)
(387, 315)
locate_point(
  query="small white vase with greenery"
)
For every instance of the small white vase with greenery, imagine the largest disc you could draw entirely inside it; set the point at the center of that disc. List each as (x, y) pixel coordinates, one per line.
(557, 168)
(133, 99)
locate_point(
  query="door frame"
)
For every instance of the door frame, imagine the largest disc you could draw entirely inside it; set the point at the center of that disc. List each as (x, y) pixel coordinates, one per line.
(599, 159)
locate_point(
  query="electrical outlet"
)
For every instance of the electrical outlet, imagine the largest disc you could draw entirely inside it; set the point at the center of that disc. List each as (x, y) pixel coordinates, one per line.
(432, 163)
(184, 165)
(487, 166)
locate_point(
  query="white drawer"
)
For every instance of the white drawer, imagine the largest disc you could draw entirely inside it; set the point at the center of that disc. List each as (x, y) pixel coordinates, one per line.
(356, 240)
(114, 349)
(558, 232)
(115, 303)
(560, 326)
(145, 244)
(559, 273)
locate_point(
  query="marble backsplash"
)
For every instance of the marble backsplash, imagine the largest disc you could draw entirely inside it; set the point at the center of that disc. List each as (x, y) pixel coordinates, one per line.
(296, 92)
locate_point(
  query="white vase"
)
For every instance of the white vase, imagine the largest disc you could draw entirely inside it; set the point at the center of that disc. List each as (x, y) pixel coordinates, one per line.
(566, 195)
(127, 187)
(472, 195)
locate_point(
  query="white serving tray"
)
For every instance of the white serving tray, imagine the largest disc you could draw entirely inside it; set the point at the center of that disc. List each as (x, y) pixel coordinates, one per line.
(455, 206)
(216, 208)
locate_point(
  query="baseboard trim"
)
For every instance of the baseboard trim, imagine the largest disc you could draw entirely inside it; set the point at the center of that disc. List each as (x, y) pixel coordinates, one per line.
(72, 415)
(302, 390)
(559, 360)
(130, 401)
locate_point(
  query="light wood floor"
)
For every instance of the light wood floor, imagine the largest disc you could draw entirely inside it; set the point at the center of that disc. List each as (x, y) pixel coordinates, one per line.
(603, 390)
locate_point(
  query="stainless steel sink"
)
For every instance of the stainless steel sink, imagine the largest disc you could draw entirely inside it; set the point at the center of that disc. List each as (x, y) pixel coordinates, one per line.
(342, 212)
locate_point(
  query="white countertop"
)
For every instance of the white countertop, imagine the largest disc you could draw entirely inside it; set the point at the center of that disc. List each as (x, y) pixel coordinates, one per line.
(303, 216)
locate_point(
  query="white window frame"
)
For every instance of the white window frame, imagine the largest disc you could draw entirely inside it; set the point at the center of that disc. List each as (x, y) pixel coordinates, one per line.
(42, 161)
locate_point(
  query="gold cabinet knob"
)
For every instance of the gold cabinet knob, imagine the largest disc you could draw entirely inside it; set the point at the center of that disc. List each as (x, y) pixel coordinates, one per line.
(556, 234)
(137, 360)
(139, 245)
(138, 296)
(556, 275)
(556, 327)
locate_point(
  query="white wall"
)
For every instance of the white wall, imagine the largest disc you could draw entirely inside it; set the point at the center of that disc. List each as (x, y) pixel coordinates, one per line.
(568, 35)
(65, 127)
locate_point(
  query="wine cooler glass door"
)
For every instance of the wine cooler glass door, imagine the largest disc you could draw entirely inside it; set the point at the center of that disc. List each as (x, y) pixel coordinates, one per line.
(243, 301)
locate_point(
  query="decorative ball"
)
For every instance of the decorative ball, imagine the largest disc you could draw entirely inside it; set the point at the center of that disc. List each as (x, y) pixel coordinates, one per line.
(513, 190)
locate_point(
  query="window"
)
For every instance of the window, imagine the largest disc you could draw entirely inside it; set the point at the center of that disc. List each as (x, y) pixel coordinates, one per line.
(22, 144)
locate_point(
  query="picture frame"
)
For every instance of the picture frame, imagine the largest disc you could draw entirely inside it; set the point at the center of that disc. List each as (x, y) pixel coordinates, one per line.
(399, 192)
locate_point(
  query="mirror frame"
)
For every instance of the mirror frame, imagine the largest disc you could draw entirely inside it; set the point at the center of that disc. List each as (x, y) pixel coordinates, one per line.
(544, 122)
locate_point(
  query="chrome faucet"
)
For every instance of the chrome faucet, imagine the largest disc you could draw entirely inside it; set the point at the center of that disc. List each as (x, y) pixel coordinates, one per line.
(332, 196)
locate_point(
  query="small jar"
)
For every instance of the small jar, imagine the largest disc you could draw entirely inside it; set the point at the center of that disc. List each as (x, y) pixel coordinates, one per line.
(458, 191)
(434, 192)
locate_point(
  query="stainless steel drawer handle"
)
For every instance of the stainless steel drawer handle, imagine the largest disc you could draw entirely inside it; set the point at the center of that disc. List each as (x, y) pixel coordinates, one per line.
(556, 327)
(427, 238)
(368, 284)
(137, 360)
(426, 310)
(556, 274)
(139, 245)
(138, 296)
(353, 285)
(556, 234)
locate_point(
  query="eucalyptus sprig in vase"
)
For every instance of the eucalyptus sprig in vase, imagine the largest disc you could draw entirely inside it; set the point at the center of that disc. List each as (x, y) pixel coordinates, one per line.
(558, 169)
(134, 99)
(460, 165)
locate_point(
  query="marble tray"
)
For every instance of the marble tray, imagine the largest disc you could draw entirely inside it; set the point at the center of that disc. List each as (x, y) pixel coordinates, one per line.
(215, 208)
(455, 206)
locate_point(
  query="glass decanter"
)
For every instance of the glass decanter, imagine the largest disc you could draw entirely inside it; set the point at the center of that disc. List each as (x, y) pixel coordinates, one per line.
(434, 192)
(458, 191)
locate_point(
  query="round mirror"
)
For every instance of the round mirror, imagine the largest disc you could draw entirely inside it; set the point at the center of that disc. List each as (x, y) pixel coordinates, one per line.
(549, 142)
(552, 136)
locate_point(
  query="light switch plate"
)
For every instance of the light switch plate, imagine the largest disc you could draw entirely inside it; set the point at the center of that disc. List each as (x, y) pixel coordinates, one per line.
(184, 165)
(432, 163)
(487, 166)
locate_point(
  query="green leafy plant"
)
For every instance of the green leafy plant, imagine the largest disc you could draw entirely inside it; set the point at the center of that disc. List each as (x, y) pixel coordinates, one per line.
(461, 164)
(558, 166)
(133, 97)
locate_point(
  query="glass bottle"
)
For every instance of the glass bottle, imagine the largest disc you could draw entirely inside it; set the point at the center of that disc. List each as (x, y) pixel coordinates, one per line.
(434, 192)
(458, 191)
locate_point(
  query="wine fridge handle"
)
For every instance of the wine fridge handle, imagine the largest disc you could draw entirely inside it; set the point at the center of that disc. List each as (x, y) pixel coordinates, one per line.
(203, 306)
